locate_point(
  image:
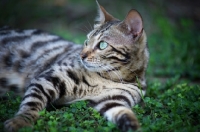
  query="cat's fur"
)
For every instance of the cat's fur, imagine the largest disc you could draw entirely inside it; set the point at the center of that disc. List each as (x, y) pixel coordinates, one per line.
(52, 70)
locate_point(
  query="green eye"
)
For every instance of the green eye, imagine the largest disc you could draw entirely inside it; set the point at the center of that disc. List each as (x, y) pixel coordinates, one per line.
(103, 45)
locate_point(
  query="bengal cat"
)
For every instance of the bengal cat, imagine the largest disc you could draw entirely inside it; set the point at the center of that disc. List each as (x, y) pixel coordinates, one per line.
(108, 71)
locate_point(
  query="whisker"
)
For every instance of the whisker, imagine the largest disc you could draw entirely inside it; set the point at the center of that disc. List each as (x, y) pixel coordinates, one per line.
(84, 30)
(128, 69)
(88, 30)
(107, 69)
(116, 72)
(90, 25)
(108, 72)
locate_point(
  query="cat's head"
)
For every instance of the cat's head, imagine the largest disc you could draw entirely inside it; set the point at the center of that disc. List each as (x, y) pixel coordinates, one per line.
(117, 49)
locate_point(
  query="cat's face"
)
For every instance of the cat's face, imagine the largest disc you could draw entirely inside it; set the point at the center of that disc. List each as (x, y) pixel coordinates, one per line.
(105, 48)
(116, 48)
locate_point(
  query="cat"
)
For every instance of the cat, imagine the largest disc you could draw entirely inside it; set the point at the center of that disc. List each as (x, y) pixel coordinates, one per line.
(108, 71)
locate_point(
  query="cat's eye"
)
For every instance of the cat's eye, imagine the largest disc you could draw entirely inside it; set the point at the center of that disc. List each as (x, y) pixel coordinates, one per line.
(103, 45)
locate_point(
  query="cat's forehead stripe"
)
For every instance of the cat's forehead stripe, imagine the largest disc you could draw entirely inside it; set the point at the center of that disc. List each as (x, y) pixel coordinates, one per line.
(104, 27)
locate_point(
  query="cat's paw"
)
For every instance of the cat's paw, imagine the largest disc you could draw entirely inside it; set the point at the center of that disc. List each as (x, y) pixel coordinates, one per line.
(14, 124)
(128, 122)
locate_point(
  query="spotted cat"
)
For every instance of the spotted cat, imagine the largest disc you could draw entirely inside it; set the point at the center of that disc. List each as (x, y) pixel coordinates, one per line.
(108, 71)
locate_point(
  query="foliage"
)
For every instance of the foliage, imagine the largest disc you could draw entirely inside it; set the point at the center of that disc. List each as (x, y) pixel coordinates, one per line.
(77, 117)
(174, 49)
(167, 107)
(170, 109)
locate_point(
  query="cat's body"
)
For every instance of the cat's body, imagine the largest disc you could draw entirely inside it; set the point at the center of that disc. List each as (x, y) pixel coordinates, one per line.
(26, 54)
(109, 71)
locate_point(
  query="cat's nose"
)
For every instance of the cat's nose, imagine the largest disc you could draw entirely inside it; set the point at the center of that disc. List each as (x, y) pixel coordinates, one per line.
(83, 55)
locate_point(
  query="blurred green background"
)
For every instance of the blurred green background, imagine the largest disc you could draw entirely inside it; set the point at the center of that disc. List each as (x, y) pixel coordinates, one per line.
(172, 28)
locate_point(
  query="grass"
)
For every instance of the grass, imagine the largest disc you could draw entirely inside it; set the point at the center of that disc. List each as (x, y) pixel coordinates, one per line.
(170, 107)
(172, 102)
(75, 118)
(173, 106)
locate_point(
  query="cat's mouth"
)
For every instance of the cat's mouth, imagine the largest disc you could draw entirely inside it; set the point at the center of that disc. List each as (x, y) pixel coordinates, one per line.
(92, 66)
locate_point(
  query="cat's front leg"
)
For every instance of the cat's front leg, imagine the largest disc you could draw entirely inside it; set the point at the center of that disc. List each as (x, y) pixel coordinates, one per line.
(115, 105)
(119, 114)
(123, 117)
(39, 94)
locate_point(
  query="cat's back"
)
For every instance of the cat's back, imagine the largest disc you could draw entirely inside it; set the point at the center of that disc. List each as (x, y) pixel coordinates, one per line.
(26, 53)
(22, 49)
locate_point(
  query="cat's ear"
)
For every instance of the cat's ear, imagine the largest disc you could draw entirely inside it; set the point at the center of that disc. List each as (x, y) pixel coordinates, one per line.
(103, 16)
(134, 23)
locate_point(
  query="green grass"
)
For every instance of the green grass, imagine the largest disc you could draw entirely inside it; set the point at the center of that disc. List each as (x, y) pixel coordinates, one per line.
(170, 107)
(172, 102)
(78, 117)
(173, 106)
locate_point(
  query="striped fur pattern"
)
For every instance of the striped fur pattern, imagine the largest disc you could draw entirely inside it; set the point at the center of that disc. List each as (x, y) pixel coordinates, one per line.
(44, 69)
